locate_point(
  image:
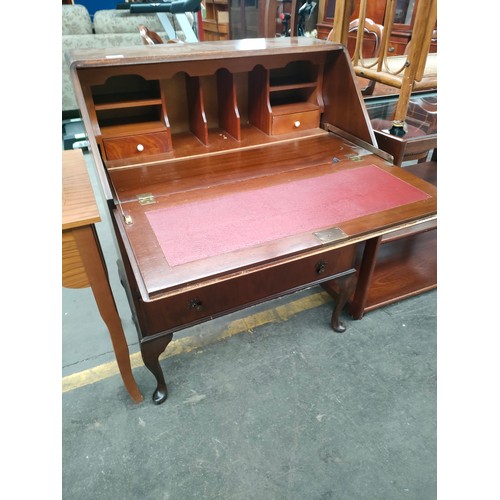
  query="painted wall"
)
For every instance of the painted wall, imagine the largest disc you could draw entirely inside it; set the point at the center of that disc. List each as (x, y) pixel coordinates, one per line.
(95, 5)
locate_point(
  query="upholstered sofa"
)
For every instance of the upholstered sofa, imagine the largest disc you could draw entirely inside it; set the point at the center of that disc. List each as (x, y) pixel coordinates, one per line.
(109, 28)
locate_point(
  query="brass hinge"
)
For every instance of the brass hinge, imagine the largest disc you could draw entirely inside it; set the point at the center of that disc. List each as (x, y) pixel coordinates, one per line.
(146, 198)
(354, 157)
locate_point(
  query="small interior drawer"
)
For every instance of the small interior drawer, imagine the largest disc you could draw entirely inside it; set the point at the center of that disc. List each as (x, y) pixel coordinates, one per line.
(137, 145)
(284, 124)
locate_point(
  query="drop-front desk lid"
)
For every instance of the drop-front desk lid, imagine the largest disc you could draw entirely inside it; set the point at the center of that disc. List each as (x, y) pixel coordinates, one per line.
(278, 202)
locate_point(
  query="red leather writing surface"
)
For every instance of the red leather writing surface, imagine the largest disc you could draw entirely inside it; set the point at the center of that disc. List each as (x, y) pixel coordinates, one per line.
(203, 229)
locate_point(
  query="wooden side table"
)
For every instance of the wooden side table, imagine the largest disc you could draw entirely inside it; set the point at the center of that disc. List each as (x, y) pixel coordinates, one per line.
(399, 265)
(83, 264)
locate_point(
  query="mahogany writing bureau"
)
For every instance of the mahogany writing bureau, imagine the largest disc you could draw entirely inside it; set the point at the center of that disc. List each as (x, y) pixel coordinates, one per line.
(235, 172)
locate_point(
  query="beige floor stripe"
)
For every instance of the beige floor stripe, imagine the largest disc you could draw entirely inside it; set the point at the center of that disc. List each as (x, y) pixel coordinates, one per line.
(187, 344)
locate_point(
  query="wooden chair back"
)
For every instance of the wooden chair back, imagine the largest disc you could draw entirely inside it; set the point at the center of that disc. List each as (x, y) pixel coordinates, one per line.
(149, 37)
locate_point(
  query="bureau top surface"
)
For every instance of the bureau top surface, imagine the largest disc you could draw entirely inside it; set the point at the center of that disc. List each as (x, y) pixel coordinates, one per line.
(175, 52)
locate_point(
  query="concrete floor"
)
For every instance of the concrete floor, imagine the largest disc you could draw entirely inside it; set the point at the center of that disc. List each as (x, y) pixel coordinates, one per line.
(267, 403)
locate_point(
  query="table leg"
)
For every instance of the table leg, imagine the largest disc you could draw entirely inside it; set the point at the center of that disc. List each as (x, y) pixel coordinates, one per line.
(341, 289)
(151, 350)
(346, 285)
(95, 267)
(367, 267)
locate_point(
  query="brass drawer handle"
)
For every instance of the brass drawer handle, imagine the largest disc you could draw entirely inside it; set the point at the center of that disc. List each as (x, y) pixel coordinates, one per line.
(196, 304)
(321, 267)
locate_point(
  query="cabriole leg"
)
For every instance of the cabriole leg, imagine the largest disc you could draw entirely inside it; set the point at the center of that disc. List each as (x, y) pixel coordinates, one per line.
(346, 286)
(151, 351)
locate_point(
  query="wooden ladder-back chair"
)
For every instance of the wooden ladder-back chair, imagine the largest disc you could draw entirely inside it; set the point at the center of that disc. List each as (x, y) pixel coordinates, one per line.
(150, 37)
(415, 70)
(367, 48)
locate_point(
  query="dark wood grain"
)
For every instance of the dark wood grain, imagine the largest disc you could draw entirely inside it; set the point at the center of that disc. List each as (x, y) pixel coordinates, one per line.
(229, 115)
(243, 115)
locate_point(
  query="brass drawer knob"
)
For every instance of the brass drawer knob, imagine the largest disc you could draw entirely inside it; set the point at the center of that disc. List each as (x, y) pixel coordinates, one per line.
(196, 304)
(321, 267)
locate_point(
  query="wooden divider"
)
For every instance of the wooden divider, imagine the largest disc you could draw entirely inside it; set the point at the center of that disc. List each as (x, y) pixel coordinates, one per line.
(229, 116)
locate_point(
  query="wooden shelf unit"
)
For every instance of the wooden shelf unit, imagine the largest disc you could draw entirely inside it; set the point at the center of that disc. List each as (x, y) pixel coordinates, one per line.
(169, 117)
(216, 20)
(291, 99)
(401, 264)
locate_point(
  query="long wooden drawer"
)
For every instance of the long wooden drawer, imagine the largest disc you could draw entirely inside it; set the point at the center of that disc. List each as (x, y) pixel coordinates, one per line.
(286, 123)
(137, 145)
(243, 290)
